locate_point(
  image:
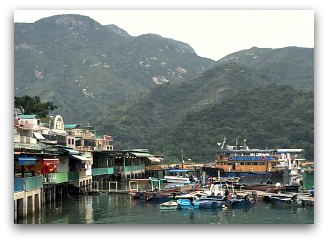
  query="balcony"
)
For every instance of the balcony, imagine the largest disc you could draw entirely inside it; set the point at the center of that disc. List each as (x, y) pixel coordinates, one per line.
(121, 169)
(27, 183)
(102, 171)
(55, 178)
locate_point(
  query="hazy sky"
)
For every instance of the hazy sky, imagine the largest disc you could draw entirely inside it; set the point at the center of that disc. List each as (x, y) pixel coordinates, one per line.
(211, 33)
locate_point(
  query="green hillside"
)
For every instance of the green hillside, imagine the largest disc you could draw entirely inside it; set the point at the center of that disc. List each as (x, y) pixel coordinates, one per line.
(84, 67)
(194, 115)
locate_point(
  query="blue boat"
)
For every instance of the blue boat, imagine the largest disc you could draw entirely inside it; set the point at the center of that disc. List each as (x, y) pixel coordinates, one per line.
(186, 204)
(208, 203)
(245, 200)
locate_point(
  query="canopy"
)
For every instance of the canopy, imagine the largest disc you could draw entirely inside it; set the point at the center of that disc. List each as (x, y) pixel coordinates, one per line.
(177, 170)
(26, 160)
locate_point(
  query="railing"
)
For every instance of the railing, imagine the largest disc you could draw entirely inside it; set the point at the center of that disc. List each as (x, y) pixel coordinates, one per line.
(55, 178)
(102, 171)
(27, 183)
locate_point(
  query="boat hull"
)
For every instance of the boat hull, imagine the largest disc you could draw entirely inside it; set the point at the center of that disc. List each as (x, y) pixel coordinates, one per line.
(285, 201)
(213, 171)
(174, 179)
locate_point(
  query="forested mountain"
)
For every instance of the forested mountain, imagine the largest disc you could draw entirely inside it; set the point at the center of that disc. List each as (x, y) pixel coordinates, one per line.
(291, 65)
(228, 99)
(84, 67)
(153, 92)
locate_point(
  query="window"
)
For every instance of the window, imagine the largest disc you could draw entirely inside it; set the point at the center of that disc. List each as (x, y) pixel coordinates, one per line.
(69, 141)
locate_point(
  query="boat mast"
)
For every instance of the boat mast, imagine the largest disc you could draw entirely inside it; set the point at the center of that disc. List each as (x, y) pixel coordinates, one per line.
(182, 161)
(236, 147)
(223, 143)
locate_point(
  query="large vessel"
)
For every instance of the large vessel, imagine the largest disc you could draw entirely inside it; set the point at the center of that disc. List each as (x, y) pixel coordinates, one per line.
(231, 161)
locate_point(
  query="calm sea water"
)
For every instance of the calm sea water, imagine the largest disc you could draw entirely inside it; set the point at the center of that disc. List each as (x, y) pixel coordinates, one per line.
(121, 209)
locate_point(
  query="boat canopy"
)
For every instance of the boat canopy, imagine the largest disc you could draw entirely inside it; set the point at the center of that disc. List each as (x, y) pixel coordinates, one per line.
(177, 170)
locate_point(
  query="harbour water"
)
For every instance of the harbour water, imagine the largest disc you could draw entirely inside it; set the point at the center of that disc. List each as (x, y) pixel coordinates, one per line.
(122, 209)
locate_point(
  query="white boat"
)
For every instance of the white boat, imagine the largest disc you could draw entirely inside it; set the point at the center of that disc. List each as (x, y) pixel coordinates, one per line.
(177, 179)
(175, 176)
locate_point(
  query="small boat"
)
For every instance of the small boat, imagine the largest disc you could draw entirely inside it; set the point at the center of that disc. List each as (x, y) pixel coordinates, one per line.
(241, 200)
(286, 200)
(208, 203)
(169, 205)
(185, 204)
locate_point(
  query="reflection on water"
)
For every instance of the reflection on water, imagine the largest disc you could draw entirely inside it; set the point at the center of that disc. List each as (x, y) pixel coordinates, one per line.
(121, 209)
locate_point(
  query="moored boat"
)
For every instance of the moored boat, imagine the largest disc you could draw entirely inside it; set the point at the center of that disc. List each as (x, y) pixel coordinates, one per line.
(286, 200)
(186, 204)
(258, 163)
(169, 205)
(176, 176)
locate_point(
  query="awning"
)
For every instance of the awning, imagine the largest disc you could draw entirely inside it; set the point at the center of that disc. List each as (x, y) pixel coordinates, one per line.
(82, 158)
(50, 161)
(71, 151)
(140, 154)
(26, 160)
(38, 135)
(154, 159)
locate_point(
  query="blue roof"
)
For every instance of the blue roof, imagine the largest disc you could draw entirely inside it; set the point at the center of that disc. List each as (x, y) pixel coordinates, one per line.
(177, 170)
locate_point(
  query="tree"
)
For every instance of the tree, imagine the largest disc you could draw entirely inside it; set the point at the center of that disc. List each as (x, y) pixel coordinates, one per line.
(33, 105)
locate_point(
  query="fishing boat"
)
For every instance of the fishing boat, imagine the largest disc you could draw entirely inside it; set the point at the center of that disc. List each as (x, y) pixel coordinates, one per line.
(177, 176)
(234, 161)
